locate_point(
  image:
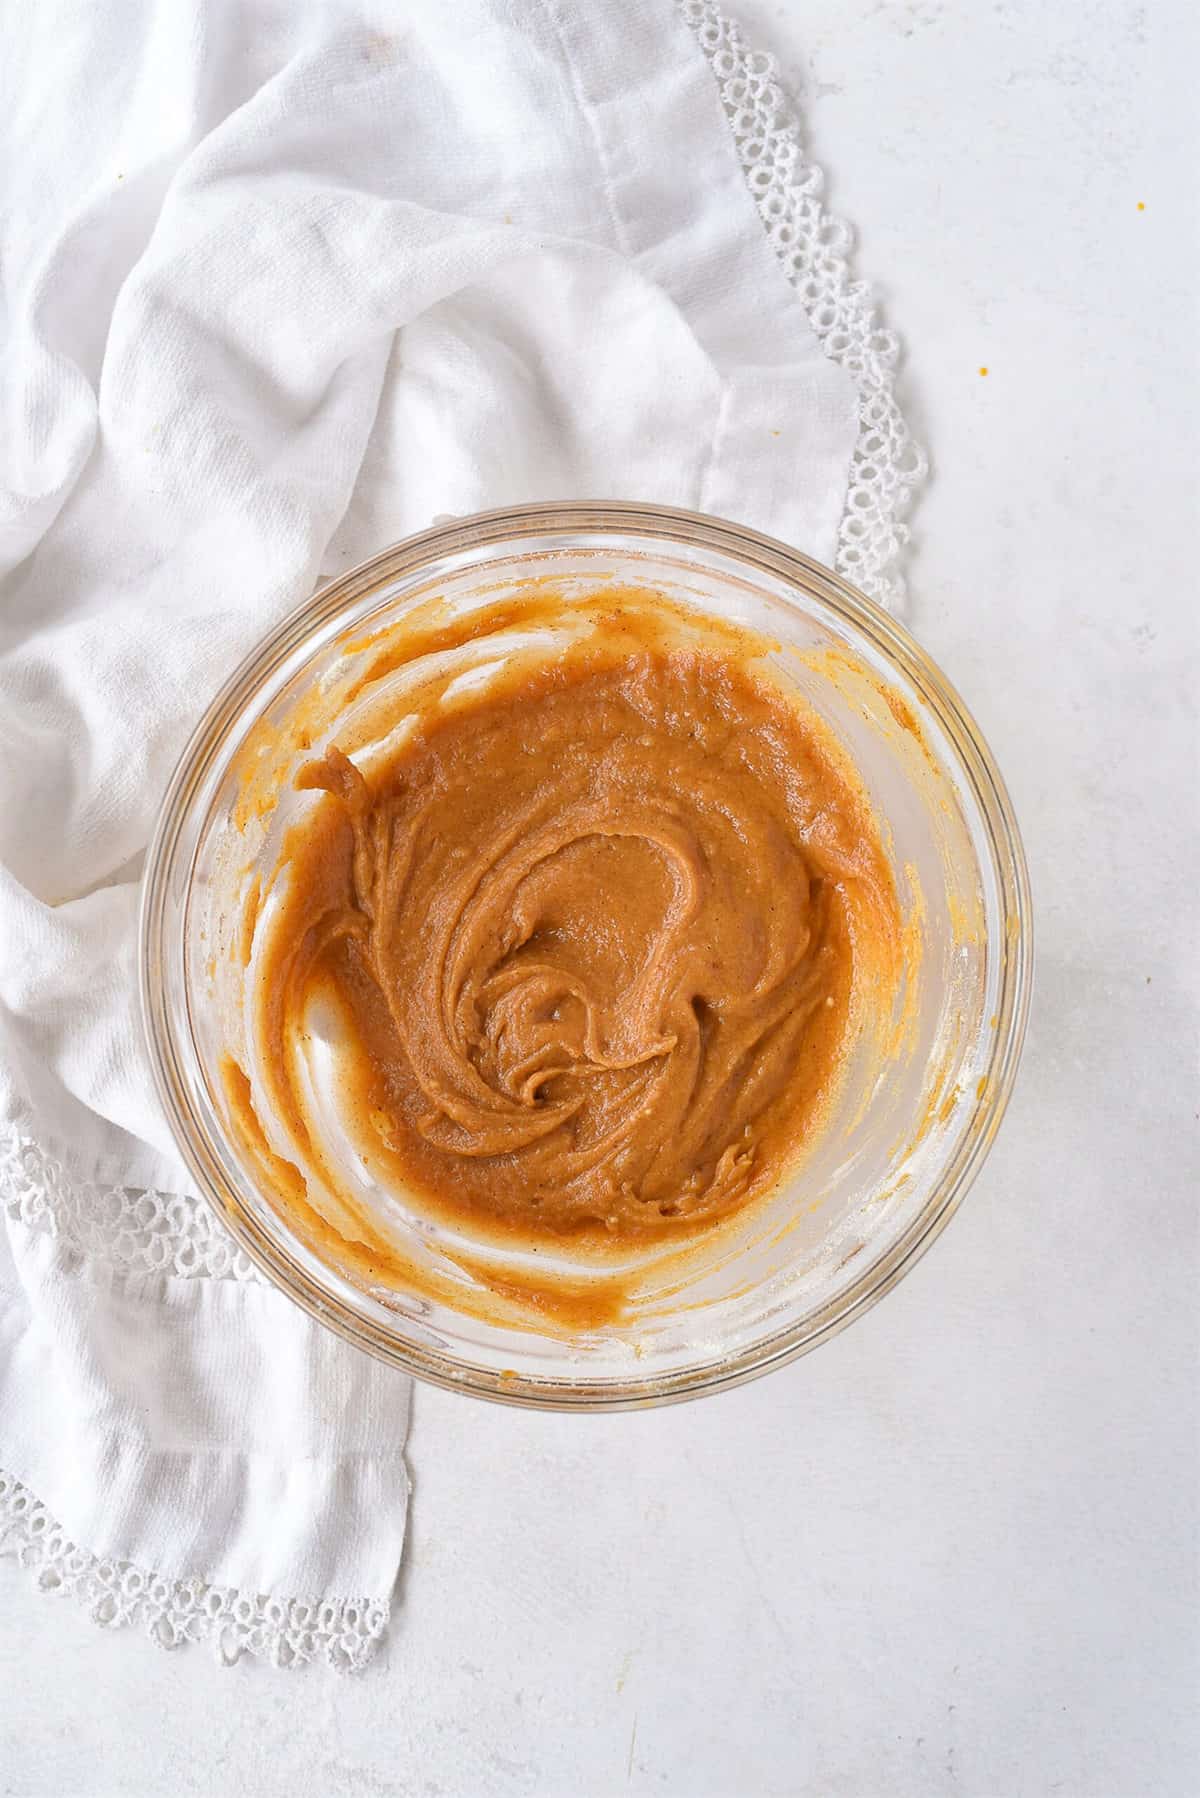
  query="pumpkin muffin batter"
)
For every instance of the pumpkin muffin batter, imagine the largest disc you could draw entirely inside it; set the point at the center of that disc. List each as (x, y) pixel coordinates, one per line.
(593, 942)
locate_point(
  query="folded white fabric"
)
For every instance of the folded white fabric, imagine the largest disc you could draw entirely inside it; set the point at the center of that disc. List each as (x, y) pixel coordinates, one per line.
(280, 285)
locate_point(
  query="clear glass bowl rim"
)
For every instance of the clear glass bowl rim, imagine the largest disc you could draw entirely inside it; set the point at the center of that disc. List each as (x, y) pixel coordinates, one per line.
(681, 530)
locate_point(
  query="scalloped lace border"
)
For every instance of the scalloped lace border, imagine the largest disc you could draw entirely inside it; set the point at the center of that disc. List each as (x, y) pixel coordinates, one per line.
(289, 1632)
(171, 1233)
(813, 248)
(133, 1227)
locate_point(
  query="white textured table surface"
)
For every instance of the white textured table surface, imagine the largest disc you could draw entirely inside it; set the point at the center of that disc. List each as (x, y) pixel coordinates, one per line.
(955, 1550)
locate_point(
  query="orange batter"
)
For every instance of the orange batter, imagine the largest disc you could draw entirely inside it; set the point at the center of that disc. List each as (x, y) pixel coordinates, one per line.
(597, 939)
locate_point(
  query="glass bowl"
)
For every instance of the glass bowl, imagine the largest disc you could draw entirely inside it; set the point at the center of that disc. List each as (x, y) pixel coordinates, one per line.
(907, 1134)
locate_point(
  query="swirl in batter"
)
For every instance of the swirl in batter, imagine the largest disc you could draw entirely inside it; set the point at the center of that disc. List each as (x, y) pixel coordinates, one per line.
(596, 938)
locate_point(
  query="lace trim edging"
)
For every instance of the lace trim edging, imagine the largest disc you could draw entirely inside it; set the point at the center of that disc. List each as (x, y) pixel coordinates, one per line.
(288, 1632)
(168, 1233)
(813, 247)
(131, 1227)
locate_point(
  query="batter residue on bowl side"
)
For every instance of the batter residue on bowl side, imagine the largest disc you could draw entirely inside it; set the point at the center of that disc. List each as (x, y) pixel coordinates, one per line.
(586, 937)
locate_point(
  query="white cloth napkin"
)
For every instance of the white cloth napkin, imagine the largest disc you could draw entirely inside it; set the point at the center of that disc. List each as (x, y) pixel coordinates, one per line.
(282, 282)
